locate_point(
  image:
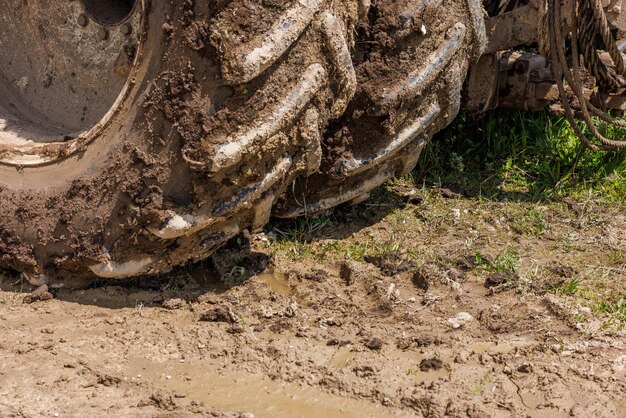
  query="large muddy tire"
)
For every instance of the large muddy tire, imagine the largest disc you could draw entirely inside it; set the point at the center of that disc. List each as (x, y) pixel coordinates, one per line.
(411, 60)
(138, 135)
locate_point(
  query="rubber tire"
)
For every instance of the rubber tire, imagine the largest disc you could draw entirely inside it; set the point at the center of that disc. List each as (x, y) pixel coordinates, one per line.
(227, 108)
(411, 61)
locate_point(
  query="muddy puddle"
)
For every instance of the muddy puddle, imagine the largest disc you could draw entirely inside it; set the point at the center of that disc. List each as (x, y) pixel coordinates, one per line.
(277, 281)
(250, 393)
(500, 347)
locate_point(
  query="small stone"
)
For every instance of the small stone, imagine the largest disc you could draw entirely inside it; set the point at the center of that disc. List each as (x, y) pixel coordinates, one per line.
(236, 328)
(221, 313)
(364, 371)
(619, 364)
(83, 20)
(500, 279)
(424, 276)
(39, 295)
(126, 29)
(462, 357)
(566, 272)
(525, 368)
(103, 34)
(403, 344)
(348, 272)
(460, 320)
(208, 298)
(431, 365)
(393, 293)
(317, 275)
(374, 344)
(464, 316)
(173, 304)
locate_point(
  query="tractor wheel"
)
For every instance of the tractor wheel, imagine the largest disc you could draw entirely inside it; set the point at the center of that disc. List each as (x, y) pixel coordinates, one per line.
(411, 60)
(138, 135)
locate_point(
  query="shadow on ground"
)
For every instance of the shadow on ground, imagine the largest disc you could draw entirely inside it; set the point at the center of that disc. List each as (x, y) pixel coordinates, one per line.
(504, 156)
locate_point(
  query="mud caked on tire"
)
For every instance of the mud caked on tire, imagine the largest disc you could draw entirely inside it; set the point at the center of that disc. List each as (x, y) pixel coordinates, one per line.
(139, 135)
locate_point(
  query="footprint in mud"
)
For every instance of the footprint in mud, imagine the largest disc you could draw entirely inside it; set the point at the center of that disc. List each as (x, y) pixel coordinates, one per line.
(391, 264)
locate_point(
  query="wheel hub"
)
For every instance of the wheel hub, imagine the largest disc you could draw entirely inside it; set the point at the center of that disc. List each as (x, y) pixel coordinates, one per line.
(64, 65)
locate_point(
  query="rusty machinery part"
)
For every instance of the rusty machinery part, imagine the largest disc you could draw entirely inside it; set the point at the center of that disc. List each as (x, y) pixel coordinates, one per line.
(515, 74)
(590, 15)
(410, 67)
(135, 138)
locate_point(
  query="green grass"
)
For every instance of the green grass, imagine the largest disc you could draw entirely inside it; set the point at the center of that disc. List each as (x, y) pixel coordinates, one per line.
(616, 310)
(527, 172)
(570, 287)
(604, 297)
(507, 261)
(302, 229)
(521, 155)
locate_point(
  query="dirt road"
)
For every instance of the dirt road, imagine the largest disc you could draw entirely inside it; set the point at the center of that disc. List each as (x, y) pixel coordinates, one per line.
(416, 303)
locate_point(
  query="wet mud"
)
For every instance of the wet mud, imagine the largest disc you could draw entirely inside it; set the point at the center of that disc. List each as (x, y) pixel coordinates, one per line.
(332, 336)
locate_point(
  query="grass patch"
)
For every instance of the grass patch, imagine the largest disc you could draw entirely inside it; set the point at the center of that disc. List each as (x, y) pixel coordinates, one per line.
(302, 229)
(521, 155)
(507, 261)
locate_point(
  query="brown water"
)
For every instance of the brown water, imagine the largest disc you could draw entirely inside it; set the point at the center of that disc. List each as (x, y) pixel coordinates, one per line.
(244, 392)
(277, 281)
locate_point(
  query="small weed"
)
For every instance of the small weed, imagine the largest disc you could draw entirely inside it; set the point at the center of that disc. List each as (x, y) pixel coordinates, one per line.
(616, 258)
(171, 285)
(531, 223)
(390, 246)
(615, 309)
(21, 279)
(571, 243)
(302, 229)
(139, 309)
(295, 250)
(246, 325)
(402, 217)
(412, 370)
(235, 276)
(507, 261)
(600, 289)
(480, 387)
(570, 288)
(355, 251)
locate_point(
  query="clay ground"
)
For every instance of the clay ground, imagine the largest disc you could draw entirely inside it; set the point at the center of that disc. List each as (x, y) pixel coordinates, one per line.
(418, 302)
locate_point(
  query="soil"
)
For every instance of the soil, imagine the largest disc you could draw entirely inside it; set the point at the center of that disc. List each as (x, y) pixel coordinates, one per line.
(334, 335)
(390, 309)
